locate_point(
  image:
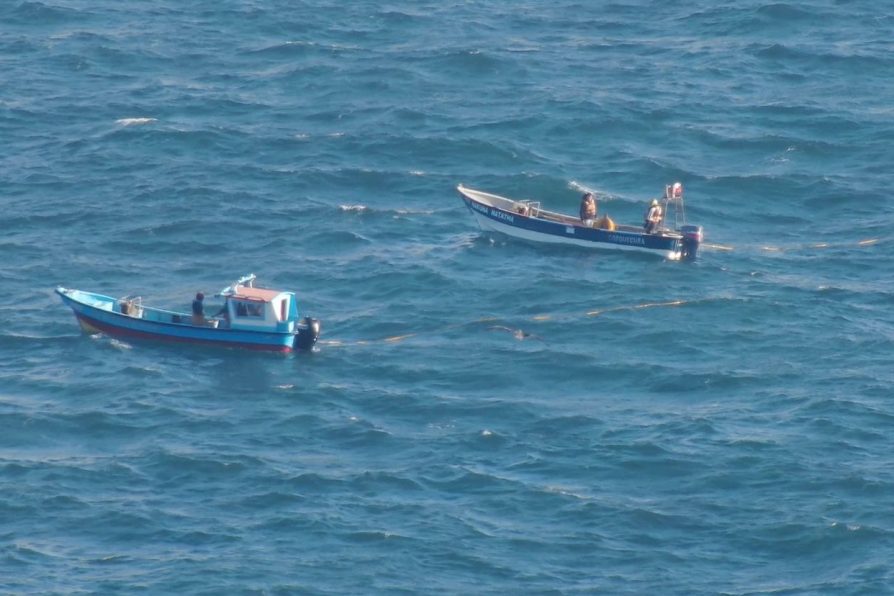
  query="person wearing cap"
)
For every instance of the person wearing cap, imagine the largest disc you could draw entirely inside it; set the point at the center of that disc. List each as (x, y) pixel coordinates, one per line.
(653, 217)
(198, 309)
(588, 209)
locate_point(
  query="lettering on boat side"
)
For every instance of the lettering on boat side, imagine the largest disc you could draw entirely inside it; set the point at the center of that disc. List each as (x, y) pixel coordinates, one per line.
(625, 239)
(478, 207)
(501, 215)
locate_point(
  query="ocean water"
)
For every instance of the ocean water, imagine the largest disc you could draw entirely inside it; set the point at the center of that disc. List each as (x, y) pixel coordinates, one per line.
(482, 415)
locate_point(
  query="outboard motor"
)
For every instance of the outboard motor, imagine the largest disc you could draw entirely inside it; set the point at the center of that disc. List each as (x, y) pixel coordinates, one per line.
(308, 333)
(692, 237)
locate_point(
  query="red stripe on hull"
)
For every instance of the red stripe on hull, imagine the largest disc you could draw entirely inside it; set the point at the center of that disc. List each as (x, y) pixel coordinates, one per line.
(119, 332)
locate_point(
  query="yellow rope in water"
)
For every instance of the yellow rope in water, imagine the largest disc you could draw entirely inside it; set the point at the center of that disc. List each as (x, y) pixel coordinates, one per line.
(801, 247)
(596, 313)
(398, 338)
(517, 333)
(593, 313)
(797, 247)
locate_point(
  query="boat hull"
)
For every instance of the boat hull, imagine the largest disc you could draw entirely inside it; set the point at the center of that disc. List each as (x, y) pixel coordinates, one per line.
(496, 214)
(99, 316)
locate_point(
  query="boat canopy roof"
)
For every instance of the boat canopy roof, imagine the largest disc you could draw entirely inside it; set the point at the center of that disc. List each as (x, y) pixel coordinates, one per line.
(257, 294)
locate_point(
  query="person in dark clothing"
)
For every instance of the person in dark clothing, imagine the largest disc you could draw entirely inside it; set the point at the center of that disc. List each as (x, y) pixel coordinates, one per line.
(198, 309)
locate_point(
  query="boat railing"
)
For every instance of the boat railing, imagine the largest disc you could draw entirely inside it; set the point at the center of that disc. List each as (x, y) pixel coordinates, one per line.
(529, 208)
(673, 197)
(132, 306)
(247, 280)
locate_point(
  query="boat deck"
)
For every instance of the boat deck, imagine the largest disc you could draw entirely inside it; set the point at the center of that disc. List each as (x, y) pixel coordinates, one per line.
(529, 208)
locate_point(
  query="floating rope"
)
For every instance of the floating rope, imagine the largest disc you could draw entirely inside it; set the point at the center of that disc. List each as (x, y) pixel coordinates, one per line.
(596, 313)
(798, 247)
(521, 334)
(821, 245)
(517, 333)
(393, 339)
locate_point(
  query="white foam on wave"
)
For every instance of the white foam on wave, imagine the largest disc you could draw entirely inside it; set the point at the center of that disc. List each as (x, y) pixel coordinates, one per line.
(599, 194)
(353, 208)
(560, 490)
(134, 121)
(575, 185)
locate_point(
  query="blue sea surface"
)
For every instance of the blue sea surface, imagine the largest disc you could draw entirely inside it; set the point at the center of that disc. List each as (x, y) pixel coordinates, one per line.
(482, 415)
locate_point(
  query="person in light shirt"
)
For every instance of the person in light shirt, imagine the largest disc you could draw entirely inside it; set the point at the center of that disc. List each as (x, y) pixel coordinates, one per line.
(653, 217)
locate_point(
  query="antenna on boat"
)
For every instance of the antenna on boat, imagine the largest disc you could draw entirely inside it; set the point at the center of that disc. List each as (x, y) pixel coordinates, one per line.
(246, 281)
(673, 195)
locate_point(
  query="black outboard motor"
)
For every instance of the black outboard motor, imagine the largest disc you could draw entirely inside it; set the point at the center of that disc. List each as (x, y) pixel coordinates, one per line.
(692, 237)
(308, 333)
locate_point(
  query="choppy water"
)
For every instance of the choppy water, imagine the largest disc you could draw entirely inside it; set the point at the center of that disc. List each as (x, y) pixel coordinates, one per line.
(547, 419)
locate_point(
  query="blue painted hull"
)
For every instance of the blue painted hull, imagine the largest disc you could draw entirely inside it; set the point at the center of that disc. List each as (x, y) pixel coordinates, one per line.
(110, 322)
(499, 214)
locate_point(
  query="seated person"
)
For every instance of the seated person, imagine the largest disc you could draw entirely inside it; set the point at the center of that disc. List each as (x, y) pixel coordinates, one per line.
(588, 209)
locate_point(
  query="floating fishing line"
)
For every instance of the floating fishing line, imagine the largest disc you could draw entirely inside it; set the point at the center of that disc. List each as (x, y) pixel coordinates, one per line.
(517, 333)
(521, 334)
(393, 339)
(798, 247)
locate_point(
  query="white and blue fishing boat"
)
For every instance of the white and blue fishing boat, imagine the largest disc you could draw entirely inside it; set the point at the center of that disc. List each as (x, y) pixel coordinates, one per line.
(525, 219)
(254, 318)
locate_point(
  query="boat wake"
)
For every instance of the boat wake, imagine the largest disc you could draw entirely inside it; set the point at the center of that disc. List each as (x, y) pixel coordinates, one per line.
(117, 343)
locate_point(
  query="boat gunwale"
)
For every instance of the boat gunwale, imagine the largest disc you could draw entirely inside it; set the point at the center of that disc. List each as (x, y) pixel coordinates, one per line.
(185, 323)
(122, 331)
(554, 216)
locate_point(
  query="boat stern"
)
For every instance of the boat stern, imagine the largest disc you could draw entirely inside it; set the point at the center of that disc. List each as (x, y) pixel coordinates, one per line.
(307, 332)
(692, 239)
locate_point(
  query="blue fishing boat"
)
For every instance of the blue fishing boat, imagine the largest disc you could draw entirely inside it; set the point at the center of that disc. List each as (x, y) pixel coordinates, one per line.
(251, 317)
(525, 219)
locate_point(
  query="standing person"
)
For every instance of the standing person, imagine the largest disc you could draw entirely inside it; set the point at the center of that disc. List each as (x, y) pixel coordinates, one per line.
(652, 217)
(198, 309)
(588, 209)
